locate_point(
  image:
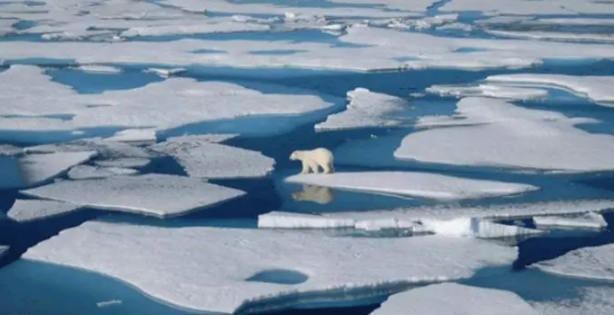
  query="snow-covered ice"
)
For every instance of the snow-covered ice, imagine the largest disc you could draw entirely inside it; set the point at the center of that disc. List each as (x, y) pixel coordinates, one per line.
(593, 300)
(152, 194)
(36, 169)
(457, 299)
(290, 220)
(589, 220)
(506, 135)
(588, 263)
(368, 109)
(31, 210)
(597, 88)
(138, 136)
(90, 172)
(561, 36)
(198, 27)
(201, 158)
(210, 268)
(105, 148)
(413, 184)
(489, 90)
(165, 73)
(123, 162)
(516, 7)
(99, 69)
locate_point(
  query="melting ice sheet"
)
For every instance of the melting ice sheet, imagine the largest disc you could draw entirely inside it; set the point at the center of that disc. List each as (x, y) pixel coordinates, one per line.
(588, 263)
(414, 184)
(224, 270)
(152, 194)
(457, 299)
(31, 210)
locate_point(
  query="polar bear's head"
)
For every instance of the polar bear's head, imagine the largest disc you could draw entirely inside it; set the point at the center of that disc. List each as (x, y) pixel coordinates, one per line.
(294, 156)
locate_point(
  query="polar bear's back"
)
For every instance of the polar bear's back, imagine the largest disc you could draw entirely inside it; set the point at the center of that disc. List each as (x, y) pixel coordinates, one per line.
(323, 153)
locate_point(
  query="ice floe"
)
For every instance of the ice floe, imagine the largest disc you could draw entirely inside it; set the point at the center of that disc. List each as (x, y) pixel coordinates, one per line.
(90, 172)
(137, 136)
(459, 300)
(594, 300)
(31, 210)
(489, 90)
(589, 220)
(414, 184)
(3, 249)
(368, 109)
(199, 27)
(148, 106)
(562, 36)
(588, 263)
(597, 88)
(99, 69)
(36, 169)
(152, 194)
(225, 268)
(201, 158)
(519, 7)
(165, 73)
(104, 148)
(506, 135)
(123, 162)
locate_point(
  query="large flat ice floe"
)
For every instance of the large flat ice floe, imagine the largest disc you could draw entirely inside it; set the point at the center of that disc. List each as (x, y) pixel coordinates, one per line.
(505, 135)
(597, 300)
(426, 185)
(588, 263)
(588, 220)
(148, 106)
(489, 90)
(32, 210)
(36, 169)
(457, 299)
(224, 270)
(201, 158)
(106, 149)
(597, 88)
(368, 109)
(90, 172)
(153, 194)
(519, 7)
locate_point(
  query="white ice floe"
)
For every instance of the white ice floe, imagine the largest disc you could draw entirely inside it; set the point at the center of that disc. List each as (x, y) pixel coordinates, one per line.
(152, 194)
(99, 69)
(198, 27)
(489, 90)
(570, 21)
(36, 169)
(3, 249)
(460, 227)
(505, 135)
(32, 210)
(139, 136)
(201, 158)
(457, 299)
(91, 172)
(593, 300)
(586, 220)
(123, 163)
(231, 270)
(165, 73)
(414, 184)
(562, 36)
(105, 148)
(9, 150)
(27, 95)
(597, 88)
(416, 23)
(520, 7)
(587, 263)
(368, 109)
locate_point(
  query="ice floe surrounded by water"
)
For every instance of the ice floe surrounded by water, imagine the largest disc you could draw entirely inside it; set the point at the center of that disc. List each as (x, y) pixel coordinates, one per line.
(588, 263)
(489, 90)
(99, 69)
(148, 106)
(561, 36)
(152, 194)
(123, 162)
(138, 136)
(596, 300)
(104, 148)
(91, 172)
(32, 210)
(506, 135)
(368, 109)
(589, 220)
(520, 7)
(3, 249)
(36, 169)
(201, 158)
(597, 88)
(426, 185)
(227, 270)
(457, 299)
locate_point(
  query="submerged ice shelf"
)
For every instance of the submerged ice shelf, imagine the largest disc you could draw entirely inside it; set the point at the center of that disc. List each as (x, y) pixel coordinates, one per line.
(210, 267)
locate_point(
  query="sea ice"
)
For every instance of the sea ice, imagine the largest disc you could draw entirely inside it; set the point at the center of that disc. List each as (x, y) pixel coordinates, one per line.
(105, 148)
(506, 135)
(589, 220)
(165, 73)
(489, 90)
(414, 184)
(32, 210)
(597, 88)
(368, 109)
(519, 7)
(204, 159)
(152, 194)
(198, 27)
(137, 136)
(91, 172)
(99, 69)
(3, 249)
(595, 300)
(562, 36)
(457, 299)
(210, 268)
(123, 163)
(588, 263)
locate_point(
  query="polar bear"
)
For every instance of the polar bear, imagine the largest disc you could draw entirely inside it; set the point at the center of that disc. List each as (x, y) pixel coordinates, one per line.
(312, 159)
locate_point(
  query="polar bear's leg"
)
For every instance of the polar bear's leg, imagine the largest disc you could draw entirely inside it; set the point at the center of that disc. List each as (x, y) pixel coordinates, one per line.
(313, 167)
(328, 168)
(305, 169)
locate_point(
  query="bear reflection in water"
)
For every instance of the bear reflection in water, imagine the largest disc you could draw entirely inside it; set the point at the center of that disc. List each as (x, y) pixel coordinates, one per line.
(317, 194)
